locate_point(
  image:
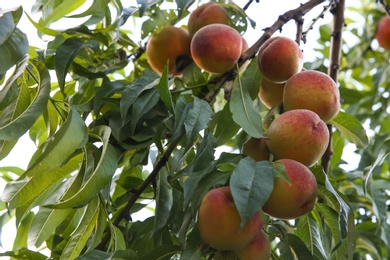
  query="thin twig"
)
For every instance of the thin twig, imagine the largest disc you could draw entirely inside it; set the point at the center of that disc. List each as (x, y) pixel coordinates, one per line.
(320, 16)
(334, 66)
(248, 4)
(282, 20)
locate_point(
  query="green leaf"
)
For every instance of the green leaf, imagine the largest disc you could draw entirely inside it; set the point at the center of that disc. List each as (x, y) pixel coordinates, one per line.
(144, 4)
(350, 128)
(251, 185)
(96, 6)
(53, 10)
(64, 57)
(244, 114)
(181, 6)
(18, 118)
(99, 178)
(163, 89)
(144, 103)
(308, 231)
(299, 247)
(250, 79)
(197, 119)
(384, 151)
(328, 192)
(226, 127)
(41, 28)
(83, 232)
(20, 240)
(13, 43)
(24, 253)
(117, 237)
(44, 223)
(164, 201)
(71, 136)
(162, 252)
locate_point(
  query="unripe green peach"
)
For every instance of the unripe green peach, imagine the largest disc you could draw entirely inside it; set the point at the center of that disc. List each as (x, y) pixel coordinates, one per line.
(205, 14)
(219, 221)
(256, 148)
(313, 90)
(294, 199)
(298, 134)
(216, 48)
(271, 93)
(169, 44)
(382, 34)
(279, 58)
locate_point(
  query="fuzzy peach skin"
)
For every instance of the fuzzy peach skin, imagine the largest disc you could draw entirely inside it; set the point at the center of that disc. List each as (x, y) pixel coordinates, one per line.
(216, 48)
(294, 199)
(298, 134)
(270, 93)
(219, 221)
(258, 249)
(206, 14)
(382, 34)
(313, 90)
(169, 44)
(256, 148)
(279, 58)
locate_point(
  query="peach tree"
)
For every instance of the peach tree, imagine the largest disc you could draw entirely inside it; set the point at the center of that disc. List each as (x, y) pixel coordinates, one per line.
(125, 154)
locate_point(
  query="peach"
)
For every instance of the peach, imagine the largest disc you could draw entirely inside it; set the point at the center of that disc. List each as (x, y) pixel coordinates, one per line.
(258, 249)
(294, 199)
(216, 48)
(382, 34)
(256, 148)
(271, 93)
(219, 221)
(279, 58)
(298, 134)
(313, 90)
(205, 14)
(169, 44)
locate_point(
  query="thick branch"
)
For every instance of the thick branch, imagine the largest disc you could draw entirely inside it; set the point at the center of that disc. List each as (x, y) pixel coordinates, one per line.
(333, 70)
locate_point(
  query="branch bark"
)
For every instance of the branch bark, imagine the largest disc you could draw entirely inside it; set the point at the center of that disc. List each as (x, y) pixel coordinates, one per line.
(333, 71)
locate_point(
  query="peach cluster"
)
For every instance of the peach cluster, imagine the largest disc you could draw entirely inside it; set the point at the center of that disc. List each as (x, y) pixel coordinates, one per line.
(210, 42)
(299, 136)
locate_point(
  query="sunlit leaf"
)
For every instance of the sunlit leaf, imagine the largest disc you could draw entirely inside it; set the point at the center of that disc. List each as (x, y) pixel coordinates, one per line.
(350, 128)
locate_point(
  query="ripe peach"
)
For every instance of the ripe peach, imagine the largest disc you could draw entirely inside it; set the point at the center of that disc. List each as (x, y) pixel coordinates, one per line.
(294, 199)
(313, 90)
(256, 148)
(205, 14)
(219, 221)
(279, 58)
(298, 134)
(169, 44)
(270, 93)
(382, 34)
(216, 48)
(258, 249)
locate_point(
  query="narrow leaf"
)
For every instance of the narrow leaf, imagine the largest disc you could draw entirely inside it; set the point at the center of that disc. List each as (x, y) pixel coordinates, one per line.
(251, 185)
(101, 175)
(163, 90)
(244, 114)
(164, 201)
(351, 129)
(18, 122)
(80, 236)
(64, 57)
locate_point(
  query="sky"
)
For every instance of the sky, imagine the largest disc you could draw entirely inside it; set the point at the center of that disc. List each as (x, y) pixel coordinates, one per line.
(259, 12)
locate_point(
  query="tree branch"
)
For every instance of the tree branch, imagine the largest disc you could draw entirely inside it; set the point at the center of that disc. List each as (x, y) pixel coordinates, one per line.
(334, 66)
(282, 20)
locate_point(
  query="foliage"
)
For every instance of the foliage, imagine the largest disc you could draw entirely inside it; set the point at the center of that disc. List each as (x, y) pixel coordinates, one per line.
(111, 136)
